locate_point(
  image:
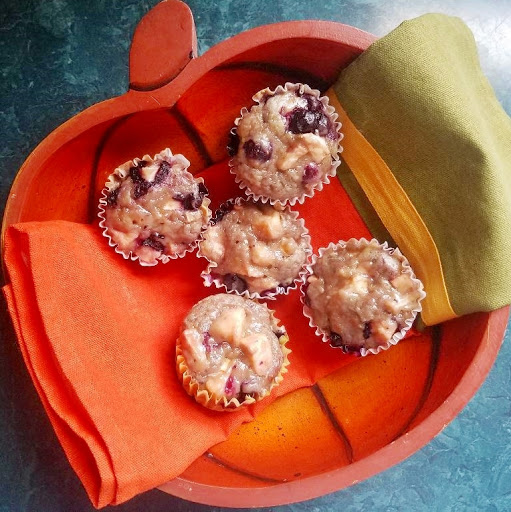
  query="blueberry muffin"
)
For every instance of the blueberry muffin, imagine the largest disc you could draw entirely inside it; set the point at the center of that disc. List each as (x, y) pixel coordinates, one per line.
(362, 295)
(285, 147)
(230, 351)
(255, 248)
(153, 209)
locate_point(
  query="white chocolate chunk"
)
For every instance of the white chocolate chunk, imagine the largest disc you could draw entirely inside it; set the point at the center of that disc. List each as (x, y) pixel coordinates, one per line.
(213, 245)
(391, 263)
(393, 306)
(258, 349)
(215, 383)
(229, 325)
(262, 255)
(124, 239)
(171, 204)
(359, 284)
(268, 226)
(403, 284)
(317, 289)
(384, 330)
(289, 159)
(149, 171)
(316, 146)
(288, 246)
(194, 350)
(308, 143)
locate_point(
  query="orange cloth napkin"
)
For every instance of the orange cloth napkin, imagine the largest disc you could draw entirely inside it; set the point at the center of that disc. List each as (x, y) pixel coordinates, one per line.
(98, 335)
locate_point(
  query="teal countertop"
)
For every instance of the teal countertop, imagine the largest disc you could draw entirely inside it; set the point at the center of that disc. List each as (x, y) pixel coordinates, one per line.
(60, 56)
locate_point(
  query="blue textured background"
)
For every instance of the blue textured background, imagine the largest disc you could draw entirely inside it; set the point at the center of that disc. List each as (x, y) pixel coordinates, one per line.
(58, 57)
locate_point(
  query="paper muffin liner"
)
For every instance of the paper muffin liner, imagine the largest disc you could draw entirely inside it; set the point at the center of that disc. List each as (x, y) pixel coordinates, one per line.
(398, 335)
(332, 114)
(208, 274)
(117, 177)
(224, 404)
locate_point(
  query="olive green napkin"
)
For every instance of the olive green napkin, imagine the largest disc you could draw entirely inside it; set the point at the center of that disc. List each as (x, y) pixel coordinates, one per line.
(420, 99)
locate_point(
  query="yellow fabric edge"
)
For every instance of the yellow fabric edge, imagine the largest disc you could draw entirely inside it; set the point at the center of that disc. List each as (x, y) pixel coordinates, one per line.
(398, 215)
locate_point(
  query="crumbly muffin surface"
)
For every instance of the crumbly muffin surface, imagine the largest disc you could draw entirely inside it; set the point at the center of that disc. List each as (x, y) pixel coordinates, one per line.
(256, 247)
(157, 209)
(231, 346)
(361, 295)
(283, 147)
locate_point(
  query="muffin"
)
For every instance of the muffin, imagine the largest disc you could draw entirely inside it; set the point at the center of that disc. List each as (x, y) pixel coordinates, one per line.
(153, 209)
(286, 146)
(230, 352)
(361, 295)
(255, 249)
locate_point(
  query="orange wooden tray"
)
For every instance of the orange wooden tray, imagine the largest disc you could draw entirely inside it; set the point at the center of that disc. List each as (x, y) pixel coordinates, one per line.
(367, 416)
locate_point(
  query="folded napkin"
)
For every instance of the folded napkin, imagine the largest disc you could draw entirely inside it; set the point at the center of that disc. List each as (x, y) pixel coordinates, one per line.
(429, 147)
(98, 337)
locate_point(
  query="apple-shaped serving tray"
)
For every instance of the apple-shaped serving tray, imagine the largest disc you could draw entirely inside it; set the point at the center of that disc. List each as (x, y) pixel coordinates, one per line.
(360, 420)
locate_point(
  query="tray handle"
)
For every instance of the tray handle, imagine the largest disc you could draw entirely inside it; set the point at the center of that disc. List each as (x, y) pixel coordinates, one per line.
(163, 44)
